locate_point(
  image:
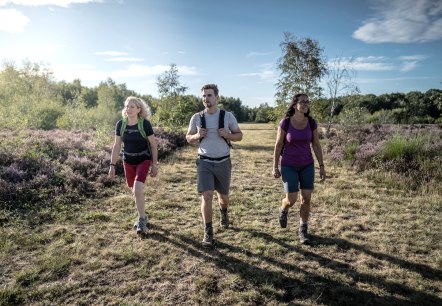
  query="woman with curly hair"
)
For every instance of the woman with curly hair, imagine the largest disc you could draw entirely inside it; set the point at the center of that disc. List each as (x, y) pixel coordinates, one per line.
(140, 152)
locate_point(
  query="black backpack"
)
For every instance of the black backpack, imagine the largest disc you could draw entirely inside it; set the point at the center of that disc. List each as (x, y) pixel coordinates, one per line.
(286, 125)
(222, 113)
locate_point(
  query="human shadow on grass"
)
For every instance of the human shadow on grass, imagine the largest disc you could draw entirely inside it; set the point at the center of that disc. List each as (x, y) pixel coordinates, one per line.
(422, 269)
(317, 287)
(413, 296)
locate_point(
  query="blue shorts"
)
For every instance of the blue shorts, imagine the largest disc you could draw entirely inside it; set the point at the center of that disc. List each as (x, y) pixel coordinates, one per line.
(296, 178)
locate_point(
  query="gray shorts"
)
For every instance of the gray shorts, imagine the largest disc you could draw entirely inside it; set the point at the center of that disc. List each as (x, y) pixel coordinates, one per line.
(214, 176)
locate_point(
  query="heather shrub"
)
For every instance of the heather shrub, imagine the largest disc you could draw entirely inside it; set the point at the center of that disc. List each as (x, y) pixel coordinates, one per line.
(43, 169)
(409, 155)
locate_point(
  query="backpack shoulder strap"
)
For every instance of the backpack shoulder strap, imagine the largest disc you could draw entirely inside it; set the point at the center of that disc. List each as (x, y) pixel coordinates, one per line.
(123, 126)
(285, 127)
(312, 123)
(286, 124)
(222, 114)
(141, 127)
(202, 120)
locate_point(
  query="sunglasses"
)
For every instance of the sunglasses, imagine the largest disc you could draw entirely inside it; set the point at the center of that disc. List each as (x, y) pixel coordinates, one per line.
(307, 102)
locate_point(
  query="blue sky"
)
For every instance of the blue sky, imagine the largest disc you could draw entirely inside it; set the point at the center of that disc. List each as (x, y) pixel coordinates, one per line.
(396, 44)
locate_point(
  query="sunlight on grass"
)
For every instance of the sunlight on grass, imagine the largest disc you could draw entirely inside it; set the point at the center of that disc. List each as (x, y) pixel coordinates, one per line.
(372, 242)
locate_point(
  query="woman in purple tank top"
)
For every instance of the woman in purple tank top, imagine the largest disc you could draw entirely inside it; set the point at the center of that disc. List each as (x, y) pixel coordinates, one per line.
(292, 150)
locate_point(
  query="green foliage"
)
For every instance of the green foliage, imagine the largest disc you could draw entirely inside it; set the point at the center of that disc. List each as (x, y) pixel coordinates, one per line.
(320, 109)
(175, 112)
(169, 83)
(30, 98)
(404, 147)
(301, 68)
(350, 150)
(173, 109)
(264, 114)
(234, 105)
(382, 116)
(353, 115)
(11, 296)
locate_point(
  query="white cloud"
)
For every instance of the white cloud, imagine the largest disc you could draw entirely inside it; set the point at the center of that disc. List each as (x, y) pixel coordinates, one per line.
(408, 66)
(403, 21)
(124, 59)
(411, 62)
(403, 63)
(111, 53)
(62, 3)
(412, 57)
(266, 73)
(12, 21)
(89, 74)
(373, 66)
(369, 63)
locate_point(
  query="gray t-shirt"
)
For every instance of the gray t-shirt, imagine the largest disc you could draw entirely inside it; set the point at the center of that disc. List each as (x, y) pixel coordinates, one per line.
(213, 145)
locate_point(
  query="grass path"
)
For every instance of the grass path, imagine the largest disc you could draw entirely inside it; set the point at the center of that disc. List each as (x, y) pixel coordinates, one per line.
(372, 245)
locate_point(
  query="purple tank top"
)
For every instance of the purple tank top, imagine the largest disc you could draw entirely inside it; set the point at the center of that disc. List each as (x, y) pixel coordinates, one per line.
(297, 151)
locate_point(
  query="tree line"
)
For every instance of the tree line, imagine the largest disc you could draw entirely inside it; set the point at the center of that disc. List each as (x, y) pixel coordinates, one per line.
(31, 97)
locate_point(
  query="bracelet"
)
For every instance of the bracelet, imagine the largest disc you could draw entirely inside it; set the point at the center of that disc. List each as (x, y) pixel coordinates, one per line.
(112, 165)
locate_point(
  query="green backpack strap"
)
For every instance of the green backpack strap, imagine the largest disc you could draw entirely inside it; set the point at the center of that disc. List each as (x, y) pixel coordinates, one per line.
(141, 127)
(123, 126)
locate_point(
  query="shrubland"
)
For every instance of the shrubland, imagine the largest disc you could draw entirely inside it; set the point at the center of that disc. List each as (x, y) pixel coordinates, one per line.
(407, 156)
(42, 171)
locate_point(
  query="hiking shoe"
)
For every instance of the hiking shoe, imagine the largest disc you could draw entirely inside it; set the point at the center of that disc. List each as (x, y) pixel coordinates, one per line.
(303, 236)
(142, 225)
(208, 241)
(224, 221)
(136, 222)
(283, 213)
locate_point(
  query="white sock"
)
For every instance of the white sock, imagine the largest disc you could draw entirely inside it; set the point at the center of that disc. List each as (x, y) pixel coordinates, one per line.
(303, 222)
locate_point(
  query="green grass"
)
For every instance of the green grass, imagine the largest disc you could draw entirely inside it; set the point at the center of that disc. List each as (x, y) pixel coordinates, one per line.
(400, 146)
(372, 244)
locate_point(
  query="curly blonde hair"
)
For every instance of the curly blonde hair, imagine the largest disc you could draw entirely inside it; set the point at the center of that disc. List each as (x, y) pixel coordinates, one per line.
(140, 103)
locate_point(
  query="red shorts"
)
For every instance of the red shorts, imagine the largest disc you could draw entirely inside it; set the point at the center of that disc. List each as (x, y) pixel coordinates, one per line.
(136, 172)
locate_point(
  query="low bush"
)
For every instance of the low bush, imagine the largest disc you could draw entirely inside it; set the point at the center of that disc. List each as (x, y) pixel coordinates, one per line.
(411, 153)
(40, 169)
